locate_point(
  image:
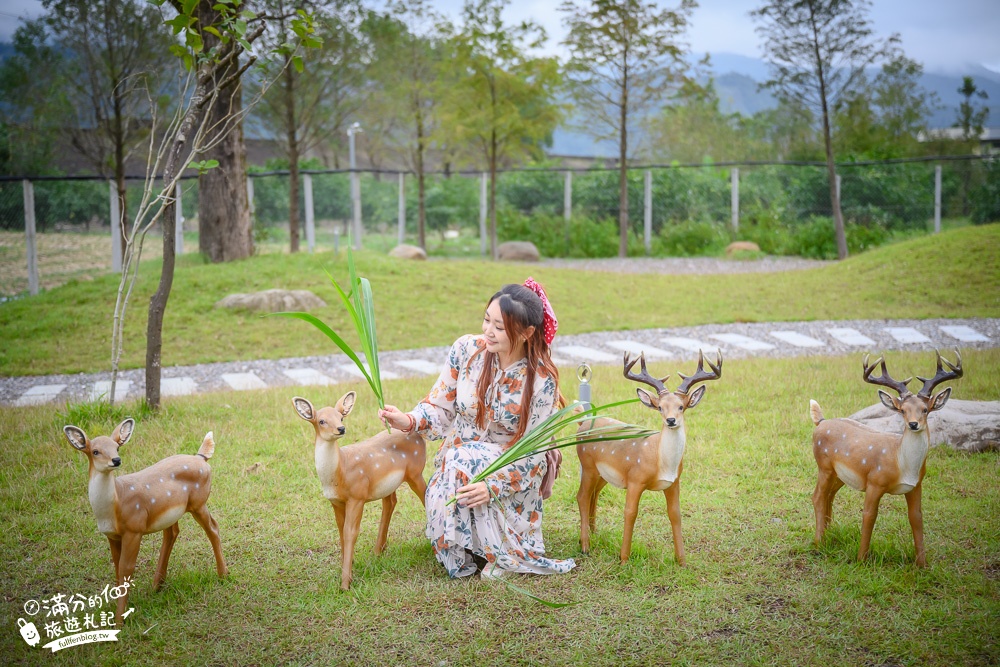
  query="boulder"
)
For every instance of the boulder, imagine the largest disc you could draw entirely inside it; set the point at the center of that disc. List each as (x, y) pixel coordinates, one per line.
(742, 246)
(404, 251)
(518, 251)
(273, 301)
(968, 426)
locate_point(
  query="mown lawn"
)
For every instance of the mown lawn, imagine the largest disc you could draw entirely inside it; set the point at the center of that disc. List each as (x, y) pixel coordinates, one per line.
(68, 329)
(754, 591)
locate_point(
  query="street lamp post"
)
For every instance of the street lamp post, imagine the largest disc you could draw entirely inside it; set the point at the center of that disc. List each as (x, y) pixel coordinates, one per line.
(355, 188)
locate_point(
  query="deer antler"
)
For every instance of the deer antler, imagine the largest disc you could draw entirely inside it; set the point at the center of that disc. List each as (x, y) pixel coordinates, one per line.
(884, 379)
(953, 373)
(644, 377)
(701, 375)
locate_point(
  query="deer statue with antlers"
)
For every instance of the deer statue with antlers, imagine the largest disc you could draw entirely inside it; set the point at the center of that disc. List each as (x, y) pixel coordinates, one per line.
(642, 464)
(877, 463)
(145, 502)
(356, 474)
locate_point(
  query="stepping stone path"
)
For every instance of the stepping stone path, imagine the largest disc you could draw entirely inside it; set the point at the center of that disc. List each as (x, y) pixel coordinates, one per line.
(661, 346)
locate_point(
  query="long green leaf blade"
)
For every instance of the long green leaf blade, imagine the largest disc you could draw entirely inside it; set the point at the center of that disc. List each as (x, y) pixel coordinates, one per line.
(332, 335)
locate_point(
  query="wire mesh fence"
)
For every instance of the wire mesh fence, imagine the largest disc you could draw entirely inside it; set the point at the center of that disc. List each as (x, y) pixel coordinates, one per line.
(672, 210)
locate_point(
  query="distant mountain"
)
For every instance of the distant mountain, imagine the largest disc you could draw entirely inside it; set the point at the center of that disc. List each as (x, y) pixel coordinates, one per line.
(737, 77)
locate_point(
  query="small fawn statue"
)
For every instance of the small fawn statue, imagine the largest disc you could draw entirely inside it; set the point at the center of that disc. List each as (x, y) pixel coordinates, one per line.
(356, 474)
(148, 501)
(642, 464)
(877, 463)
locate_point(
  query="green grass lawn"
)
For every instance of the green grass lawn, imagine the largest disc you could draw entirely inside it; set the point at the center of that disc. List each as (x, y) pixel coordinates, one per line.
(754, 591)
(68, 329)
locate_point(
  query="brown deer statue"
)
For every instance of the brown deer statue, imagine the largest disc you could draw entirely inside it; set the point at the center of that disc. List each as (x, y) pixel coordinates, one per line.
(148, 501)
(642, 464)
(877, 463)
(353, 475)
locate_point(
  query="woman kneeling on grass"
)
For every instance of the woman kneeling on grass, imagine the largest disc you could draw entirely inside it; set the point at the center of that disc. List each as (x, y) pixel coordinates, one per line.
(496, 387)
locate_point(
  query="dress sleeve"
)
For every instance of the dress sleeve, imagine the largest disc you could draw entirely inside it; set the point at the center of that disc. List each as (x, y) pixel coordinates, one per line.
(436, 412)
(528, 471)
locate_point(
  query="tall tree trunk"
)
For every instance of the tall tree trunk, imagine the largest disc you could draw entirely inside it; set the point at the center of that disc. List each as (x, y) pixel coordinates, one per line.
(119, 141)
(421, 192)
(225, 230)
(493, 196)
(623, 174)
(293, 156)
(831, 171)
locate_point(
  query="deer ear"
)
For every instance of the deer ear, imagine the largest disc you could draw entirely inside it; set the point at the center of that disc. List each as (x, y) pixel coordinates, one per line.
(303, 407)
(696, 396)
(938, 402)
(123, 433)
(76, 437)
(888, 401)
(346, 403)
(646, 399)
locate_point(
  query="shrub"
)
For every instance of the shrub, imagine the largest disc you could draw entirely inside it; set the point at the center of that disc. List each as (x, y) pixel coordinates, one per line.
(985, 198)
(693, 238)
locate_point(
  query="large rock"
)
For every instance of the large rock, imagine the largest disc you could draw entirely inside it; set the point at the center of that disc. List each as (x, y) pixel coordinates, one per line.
(518, 251)
(404, 251)
(742, 246)
(968, 426)
(273, 301)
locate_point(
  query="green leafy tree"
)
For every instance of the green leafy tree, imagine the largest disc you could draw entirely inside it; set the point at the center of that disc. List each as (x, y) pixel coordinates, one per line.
(818, 50)
(971, 116)
(115, 60)
(35, 108)
(625, 55)
(306, 107)
(410, 46)
(694, 129)
(500, 100)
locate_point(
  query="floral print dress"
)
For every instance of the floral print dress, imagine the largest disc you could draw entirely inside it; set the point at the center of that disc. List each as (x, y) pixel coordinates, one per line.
(507, 533)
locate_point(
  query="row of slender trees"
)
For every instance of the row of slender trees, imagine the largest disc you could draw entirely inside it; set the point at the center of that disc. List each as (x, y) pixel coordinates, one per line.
(432, 93)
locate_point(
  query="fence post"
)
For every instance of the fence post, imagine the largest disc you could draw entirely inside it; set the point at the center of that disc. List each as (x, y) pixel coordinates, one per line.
(647, 222)
(356, 207)
(402, 207)
(937, 199)
(307, 183)
(734, 197)
(116, 231)
(568, 196)
(482, 215)
(250, 203)
(837, 182)
(29, 235)
(178, 221)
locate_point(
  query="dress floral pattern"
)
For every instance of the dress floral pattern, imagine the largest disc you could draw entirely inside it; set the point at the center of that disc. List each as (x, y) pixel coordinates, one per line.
(507, 531)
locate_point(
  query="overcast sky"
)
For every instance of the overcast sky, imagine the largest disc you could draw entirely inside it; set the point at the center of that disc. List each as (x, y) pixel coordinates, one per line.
(944, 36)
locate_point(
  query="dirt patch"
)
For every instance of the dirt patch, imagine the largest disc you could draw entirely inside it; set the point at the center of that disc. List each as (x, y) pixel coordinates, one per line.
(61, 257)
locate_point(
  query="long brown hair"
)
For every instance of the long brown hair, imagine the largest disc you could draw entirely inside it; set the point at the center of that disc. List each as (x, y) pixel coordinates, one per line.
(520, 309)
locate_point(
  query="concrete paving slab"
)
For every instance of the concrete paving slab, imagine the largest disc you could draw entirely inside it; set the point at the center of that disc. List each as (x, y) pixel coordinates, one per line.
(42, 393)
(741, 341)
(965, 334)
(307, 376)
(635, 348)
(243, 381)
(907, 335)
(849, 336)
(421, 366)
(178, 386)
(101, 389)
(587, 353)
(797, 339)
(689, 344)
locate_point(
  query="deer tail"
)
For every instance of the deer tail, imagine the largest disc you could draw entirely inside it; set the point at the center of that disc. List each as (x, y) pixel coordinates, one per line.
(207, 447)
(815, 412)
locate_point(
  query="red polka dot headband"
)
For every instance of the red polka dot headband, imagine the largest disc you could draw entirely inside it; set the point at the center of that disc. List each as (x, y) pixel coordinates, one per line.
(550, 323)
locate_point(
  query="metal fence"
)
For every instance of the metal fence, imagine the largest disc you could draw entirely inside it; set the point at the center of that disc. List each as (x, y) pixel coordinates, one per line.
(554, 206)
